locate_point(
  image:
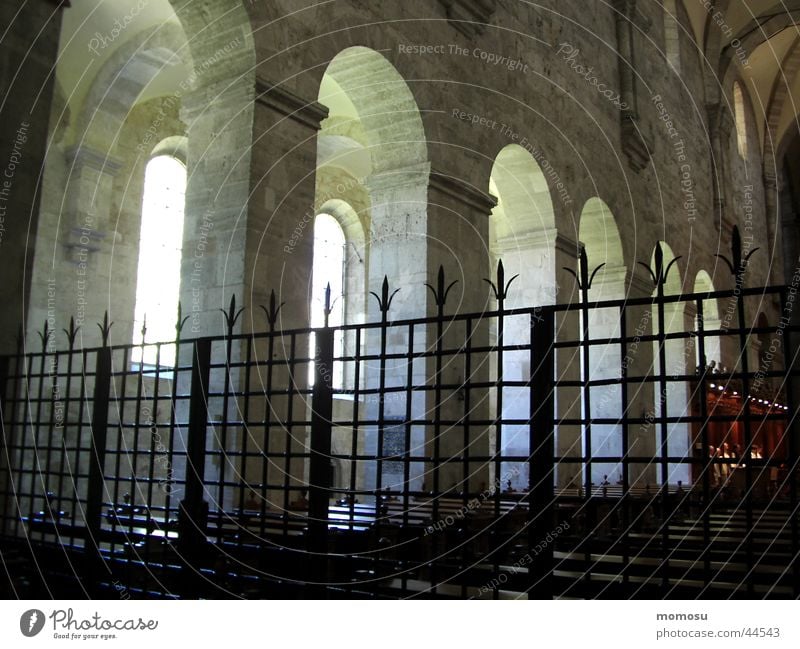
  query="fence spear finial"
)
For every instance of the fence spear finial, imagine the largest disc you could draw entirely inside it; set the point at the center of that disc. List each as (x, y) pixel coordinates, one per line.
(440, 293)
(273, 311)
(500, 289)
(105, 328)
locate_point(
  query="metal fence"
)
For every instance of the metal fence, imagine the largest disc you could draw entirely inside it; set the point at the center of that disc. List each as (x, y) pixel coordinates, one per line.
(576, 450)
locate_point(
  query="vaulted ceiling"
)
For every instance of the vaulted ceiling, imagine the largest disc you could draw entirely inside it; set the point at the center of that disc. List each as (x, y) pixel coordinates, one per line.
(755, 41)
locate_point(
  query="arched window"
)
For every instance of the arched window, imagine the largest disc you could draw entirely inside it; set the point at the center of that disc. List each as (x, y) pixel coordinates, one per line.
(159, 275)
(328, 268)
(741, 124)
(672, 41)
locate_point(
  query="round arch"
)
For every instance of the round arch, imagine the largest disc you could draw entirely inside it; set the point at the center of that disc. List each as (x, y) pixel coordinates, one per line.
(711, 320)
(522, 227)
(372, 153)
(368, 97)
(602, 244)
(599, 234)
(678, 357)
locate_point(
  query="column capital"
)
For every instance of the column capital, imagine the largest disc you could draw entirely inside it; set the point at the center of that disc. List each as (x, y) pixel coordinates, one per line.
(284, 101)
(549, 238)
(463, 192)
(85, 156)
(638, 284)
(412, 176)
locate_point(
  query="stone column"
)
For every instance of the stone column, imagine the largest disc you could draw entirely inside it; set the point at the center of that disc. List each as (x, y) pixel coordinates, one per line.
(539, 258)
(628, 16)
(605, 363)
(277, 250)
(458, 231)
(29, 51)
(639, 363)
(214, 263)
(719, 128)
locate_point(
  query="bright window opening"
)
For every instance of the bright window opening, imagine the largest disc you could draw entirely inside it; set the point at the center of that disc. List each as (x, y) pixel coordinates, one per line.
(159, 275)
(741, 124)
(672, 42)
(328, 268)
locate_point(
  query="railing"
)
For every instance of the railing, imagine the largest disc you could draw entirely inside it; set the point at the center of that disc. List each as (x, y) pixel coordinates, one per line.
(547, 451)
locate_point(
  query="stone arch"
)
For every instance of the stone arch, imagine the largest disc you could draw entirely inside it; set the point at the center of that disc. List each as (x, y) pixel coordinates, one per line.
(600, 237)
(740, 119)
(678, 361)
(672, 37)
(757, 31)
(218, 110)
(374, 132)
(356, 257)
(712, 51)
(132, 71)
(776, 138)
(372, 152)
(383, 105)
(176, 146)
(779, 95)
(522, 227)
(523, 234)
(711, 320)
(175, 77)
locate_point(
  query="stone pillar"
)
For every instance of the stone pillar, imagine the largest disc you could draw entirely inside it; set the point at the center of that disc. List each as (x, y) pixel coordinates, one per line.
(539, 258)
(604, 363)
(458, 231)
(568, 363)
(399, 239)
(681, 360)
(215, 232)
(89, 242)
(639, 363)
(628, 16)
(398, 250)
(29, 51)
(278, 247)
(774, 211)
(719, 128)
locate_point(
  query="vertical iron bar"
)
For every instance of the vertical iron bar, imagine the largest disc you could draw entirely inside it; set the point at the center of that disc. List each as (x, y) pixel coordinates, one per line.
(65, 412)
(288, 429)
(542, 447)
(193, 509)
(52, 381)
(267, 460)
(5, 464)
(381, 433)
(351, 496)
(437, 439)
(744, 339)
(497, 486)
(99, 428)
(243, 456)
(791, 352)
(78, 472)
(707, 467)
(171, 478)
(320, 460)
(626, 486)
(22, 419)
(407, 447)
(223, 432)
(134, 448)
(662, 419)
(38, 473)
(466, 396)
